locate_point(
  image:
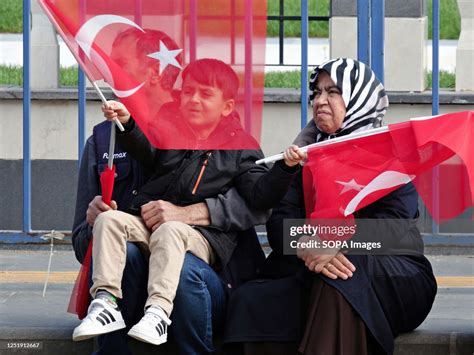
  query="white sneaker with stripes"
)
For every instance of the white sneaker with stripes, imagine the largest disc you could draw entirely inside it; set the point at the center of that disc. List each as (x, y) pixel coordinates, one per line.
(152, 328)
(102, 317)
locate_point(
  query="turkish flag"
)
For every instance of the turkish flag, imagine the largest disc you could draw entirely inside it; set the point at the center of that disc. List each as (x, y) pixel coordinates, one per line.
(436, 153)
(141, 47)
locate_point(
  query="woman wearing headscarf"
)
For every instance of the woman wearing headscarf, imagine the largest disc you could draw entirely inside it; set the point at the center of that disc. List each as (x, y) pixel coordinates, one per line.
(336, 303)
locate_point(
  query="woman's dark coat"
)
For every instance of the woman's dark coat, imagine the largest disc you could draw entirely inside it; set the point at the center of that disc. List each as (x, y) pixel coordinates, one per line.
(391, 293)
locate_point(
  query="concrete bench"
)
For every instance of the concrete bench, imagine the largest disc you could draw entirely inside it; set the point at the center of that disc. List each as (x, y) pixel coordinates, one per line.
(26, 318)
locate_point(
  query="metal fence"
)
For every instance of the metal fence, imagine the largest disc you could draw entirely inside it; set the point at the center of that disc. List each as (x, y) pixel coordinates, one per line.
(370, 49)
(282, 18)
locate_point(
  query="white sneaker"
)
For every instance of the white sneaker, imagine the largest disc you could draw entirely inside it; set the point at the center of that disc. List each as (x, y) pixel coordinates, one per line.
(101, 318)
(152, 328)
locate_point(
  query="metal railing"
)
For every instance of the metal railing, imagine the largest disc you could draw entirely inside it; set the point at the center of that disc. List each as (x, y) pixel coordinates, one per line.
(26, 118)
(305, 19)
(370, 49)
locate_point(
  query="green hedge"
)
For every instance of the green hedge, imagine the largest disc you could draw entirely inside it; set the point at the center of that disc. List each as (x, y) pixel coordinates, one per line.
(12, 75)
(293, 8)
(11, 17)
(450, 23)
(292, 79)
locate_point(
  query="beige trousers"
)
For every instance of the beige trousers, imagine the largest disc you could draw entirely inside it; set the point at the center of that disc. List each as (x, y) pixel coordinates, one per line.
(166, 246)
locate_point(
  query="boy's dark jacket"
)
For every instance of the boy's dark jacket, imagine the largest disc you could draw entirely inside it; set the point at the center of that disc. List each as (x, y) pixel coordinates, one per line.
(176, 172)
(227, 211)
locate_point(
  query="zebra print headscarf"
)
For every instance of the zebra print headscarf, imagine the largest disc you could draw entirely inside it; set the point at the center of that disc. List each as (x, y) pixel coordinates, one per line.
(363, 94)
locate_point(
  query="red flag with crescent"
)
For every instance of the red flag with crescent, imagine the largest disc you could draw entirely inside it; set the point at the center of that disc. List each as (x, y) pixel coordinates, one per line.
(141, 48)
(435, 153)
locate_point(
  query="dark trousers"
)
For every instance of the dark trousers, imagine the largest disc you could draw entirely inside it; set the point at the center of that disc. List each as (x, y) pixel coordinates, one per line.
(199, 306)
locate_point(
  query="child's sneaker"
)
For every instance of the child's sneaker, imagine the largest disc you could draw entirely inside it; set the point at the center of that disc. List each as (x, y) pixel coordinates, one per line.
(152, 328)
(102, 317)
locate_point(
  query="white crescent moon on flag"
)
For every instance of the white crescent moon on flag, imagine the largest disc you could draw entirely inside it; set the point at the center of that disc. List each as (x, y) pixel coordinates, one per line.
(86, 36)
(385, 180)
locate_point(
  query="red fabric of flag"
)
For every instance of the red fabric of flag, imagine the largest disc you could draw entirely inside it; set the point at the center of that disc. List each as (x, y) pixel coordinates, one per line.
(448, 188)
(344, 177)
(141, 47)
(80, 297)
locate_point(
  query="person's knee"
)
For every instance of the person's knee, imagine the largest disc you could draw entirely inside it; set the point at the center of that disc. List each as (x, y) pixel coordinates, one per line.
(134, 256)
(191, 281)
(133, 251)
(170, 227)
(105, 219)
(168, 231)
(191, 271)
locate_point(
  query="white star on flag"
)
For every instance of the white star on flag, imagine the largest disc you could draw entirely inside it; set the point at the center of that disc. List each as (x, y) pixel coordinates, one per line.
(166, 57)
(350, 185)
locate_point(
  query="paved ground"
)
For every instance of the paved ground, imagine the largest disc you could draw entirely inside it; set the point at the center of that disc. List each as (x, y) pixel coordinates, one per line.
(27, 316)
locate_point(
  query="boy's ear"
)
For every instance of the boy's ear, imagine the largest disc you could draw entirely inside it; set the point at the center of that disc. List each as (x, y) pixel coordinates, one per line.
(228, 107)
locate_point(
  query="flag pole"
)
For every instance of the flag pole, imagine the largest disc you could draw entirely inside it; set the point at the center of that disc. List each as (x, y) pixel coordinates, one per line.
(371, 132)
(110, 160)
(104, 101)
